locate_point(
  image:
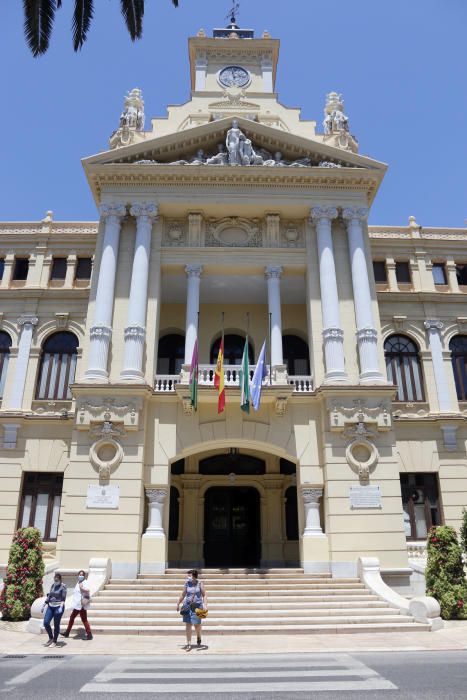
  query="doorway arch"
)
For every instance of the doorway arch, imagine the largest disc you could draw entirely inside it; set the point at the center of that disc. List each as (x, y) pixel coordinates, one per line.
(232, 529)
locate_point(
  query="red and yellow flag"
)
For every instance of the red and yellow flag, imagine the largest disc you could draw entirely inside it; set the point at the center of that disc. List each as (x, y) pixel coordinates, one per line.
(219, 377)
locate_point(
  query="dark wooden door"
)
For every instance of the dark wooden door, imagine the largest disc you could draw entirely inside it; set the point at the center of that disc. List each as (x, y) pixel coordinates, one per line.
(232, 527)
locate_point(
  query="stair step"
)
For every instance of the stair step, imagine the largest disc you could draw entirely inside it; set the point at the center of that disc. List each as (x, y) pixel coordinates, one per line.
(239, 570)
(242, 614)
(255, 621)
(100, 604)
(270, 629)
(236, 587)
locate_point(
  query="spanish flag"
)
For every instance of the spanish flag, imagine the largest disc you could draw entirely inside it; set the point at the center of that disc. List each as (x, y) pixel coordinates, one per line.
(219, 377)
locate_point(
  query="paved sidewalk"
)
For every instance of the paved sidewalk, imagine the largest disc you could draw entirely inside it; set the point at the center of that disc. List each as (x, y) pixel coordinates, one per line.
(15, 640)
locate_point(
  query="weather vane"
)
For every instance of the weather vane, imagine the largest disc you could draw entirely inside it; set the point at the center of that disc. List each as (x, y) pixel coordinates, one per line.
(233, 12)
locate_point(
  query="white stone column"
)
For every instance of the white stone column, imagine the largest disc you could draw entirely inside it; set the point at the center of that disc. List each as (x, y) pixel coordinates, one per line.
(26, 322)
(135, 330)
(367, 335)
(311, 498)
(101, 330)
(333, 335)
(273, 275)
(156, 499)
(193, 273)
(434, 329)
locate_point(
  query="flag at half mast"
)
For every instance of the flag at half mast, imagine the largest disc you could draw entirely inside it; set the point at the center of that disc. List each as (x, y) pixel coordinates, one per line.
(261, 371)
(245, 380)
(194, 371)
(219, 378)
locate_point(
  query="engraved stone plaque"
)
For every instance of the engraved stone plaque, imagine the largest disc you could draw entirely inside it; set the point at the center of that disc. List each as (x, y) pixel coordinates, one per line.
(365, 497)
(103, 496)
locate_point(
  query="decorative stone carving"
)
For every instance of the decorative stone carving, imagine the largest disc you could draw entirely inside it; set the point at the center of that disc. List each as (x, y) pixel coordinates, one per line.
(115, 410)
(106, 453)
(187, 406)
(174, 234)
(61, 319)
(281, 406)
(234, 232)
(336, 123)
(359, 411)
(131, 119)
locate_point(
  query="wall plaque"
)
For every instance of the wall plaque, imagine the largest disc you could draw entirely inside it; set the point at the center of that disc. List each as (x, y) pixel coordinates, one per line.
(365, 497)
(103, 496)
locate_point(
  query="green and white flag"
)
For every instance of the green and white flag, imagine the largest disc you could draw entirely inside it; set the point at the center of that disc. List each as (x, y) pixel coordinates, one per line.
(245, 380)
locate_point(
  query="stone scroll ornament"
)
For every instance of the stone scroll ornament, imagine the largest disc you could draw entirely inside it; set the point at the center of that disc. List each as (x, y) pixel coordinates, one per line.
(106, 453)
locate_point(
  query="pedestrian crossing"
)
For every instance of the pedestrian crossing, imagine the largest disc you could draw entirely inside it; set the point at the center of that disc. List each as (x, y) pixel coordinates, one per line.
(236, 675)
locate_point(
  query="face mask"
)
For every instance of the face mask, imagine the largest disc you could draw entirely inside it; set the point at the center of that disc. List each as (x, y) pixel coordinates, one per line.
(80, 578)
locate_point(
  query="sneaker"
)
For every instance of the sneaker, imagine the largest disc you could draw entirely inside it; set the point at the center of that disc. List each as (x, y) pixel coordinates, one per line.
(89, 636)
(64, 634)
(49, 643)
(52, 644)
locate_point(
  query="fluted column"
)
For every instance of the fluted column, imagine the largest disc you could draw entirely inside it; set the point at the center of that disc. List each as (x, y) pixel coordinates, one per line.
(26, 322)
(273, 275)
(367, 335)
(101, 331)
(434, 329)
(193, 273)
(135, 330)
(333, 335)
(156, 499)
(311, 498)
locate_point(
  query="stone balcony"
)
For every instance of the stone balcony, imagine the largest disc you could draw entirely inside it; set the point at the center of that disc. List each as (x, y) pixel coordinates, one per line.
(166, 383)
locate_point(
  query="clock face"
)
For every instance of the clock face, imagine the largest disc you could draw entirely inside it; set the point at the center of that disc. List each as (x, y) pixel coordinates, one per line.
(234, 76)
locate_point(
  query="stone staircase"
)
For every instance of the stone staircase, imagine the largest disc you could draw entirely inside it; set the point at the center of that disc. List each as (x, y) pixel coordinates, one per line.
(242, 601)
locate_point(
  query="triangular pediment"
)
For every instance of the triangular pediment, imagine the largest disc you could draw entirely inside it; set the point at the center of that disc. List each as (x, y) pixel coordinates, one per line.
(185, 145)
(272, 153)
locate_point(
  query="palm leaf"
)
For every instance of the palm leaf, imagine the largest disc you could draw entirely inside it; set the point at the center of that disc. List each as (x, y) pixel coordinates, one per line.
(82, 17)
(133, 11)
(38, 22)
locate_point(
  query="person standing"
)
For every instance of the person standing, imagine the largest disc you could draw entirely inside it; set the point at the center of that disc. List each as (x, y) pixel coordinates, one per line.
(81, 602)
(55, 604)
(193, 596)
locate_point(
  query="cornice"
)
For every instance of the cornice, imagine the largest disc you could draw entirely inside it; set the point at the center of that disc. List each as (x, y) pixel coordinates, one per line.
(438, 297)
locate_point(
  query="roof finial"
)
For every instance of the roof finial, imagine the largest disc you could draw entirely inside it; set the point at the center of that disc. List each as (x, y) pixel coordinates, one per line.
(233, 13)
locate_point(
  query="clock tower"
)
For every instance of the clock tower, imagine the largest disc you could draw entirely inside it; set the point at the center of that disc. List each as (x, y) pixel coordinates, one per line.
(233, 59)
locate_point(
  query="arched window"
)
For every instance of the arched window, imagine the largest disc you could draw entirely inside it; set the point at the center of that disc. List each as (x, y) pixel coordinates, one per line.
(57, 366)
(291, 513)
(171, 354)
(403, 368)
(458, 348)
(174, 513)
(233, 350)
(5, 345)
(296, 355)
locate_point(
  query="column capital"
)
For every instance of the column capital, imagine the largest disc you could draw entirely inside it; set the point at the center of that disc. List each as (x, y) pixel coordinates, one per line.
(156, 495)
(433, 325)
(322, 212)
(355, 213)
(311, 495)
(145, 209)
(112, 209)
(193, 270)
(273, 272)
(28, 319)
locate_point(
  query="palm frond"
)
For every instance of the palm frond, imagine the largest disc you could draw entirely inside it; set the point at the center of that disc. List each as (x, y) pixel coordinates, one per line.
(133, 11)
(38, 22)
(175, 3)
(82, 17)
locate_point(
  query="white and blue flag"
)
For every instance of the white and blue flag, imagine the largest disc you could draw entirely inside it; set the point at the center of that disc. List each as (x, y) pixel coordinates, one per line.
(260, 373)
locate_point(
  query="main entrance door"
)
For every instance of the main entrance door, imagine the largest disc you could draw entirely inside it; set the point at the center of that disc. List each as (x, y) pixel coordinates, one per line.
(232, 527)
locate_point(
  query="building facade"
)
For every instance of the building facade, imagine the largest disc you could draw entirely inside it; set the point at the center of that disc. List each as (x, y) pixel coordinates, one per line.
(232, 214)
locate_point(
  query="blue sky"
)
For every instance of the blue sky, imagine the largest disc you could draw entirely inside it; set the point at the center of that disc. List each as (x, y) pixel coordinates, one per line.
(400, 65)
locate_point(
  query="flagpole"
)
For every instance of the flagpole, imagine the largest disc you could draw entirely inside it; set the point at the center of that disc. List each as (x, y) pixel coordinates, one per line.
(269, 343)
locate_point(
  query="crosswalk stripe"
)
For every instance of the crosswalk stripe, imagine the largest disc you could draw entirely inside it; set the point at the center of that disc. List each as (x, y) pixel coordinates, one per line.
(191, 688)
(167, 675)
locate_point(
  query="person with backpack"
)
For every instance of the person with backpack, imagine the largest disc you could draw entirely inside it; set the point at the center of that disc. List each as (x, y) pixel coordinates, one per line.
(194, 599)
(81, 603)
(55, 604)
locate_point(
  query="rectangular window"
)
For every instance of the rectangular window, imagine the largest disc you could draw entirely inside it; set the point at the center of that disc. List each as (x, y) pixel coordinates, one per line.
(439, 273)
(461, 274)
(403, 273)
(2, 267)
(21, 269)
(40, 503)
(83, 269)
(379, 269)
(420, 502)
(58, 271)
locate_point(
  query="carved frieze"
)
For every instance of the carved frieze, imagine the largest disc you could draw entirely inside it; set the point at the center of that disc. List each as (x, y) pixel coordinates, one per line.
(234, 231)
(345, 413)
(119, 410)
